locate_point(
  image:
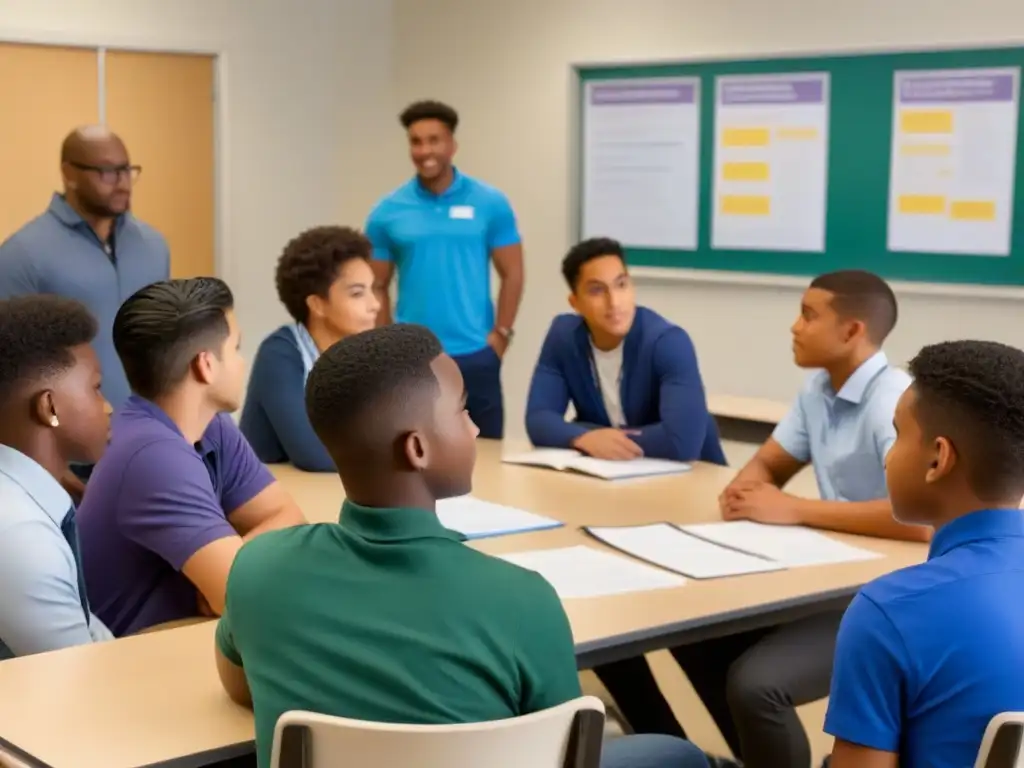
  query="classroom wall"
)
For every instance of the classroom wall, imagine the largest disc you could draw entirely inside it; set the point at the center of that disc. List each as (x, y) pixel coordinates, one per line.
(506, 67)
(305, 96)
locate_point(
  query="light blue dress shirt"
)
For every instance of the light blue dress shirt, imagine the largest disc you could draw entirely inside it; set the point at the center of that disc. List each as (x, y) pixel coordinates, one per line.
(845, 435)
(40, 604)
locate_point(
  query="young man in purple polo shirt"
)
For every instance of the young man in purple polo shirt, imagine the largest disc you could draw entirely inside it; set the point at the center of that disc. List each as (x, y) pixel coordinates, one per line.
(179, 489)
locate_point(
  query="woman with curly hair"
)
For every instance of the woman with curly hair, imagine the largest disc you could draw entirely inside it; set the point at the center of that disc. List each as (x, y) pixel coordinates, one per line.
(325, 282)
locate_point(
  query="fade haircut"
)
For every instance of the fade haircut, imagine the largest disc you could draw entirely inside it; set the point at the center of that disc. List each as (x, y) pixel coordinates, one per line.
(588, 250)
(162, 327)
(864, 296)
(364, 383)
(37, 334)
(311, 262)
(973, 393)
(429, 110)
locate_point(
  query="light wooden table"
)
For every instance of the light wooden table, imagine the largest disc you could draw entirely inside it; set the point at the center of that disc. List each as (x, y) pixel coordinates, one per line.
(155, 698)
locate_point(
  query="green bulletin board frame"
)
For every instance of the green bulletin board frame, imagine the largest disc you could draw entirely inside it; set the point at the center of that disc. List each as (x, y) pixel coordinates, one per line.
(860, 141)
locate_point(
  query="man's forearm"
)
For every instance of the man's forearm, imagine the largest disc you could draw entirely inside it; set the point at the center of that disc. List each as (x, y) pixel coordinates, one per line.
(754, 471)
(865, 518)
(384, 313)
(509, 296)
(287, 517)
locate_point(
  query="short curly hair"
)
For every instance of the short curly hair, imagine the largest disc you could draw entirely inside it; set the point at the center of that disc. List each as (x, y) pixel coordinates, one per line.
(37, 334)
(310, 264)
(360, 386)
(972, 392)
(429, 110)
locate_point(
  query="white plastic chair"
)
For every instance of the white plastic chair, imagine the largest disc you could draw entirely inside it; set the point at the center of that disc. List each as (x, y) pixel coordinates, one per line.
(566, 736)
(1001, 744)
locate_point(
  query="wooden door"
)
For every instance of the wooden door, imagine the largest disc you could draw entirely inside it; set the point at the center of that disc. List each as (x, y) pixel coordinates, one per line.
(45, 93)
(162, 105)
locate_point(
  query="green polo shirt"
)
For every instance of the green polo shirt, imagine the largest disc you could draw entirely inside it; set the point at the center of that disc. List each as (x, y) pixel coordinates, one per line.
(387, 616)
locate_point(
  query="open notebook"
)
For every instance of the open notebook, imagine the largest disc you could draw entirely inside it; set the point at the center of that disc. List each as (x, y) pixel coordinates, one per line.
(478, 519)
(714, 550)
(568, 460)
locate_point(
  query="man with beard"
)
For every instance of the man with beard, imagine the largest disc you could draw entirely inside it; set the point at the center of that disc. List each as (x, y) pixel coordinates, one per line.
(440, 232)
(87, 245)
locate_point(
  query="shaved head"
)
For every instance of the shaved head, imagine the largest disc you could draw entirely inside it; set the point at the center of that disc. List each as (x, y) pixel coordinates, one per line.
(97, 173)
(82, 142)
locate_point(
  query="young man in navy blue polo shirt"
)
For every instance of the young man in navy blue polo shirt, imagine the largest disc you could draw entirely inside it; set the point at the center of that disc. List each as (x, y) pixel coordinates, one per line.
(441, 231)
(926, 656)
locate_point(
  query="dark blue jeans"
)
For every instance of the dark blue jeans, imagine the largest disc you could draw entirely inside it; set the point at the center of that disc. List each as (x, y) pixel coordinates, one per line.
(482, 373)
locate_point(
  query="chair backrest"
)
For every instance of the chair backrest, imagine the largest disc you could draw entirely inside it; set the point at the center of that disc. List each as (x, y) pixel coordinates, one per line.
(566, 736)
(1001, 744)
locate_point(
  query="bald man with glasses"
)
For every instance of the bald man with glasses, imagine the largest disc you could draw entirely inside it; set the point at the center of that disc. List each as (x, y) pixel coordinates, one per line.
(87, 245)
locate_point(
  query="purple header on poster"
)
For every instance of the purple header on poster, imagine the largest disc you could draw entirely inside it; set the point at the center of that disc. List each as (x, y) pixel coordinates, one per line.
(948, 89)
(646, 93)
(775, 90)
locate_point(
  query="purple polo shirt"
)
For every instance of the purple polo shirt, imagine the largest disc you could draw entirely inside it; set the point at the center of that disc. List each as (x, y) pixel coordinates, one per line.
(151, 503)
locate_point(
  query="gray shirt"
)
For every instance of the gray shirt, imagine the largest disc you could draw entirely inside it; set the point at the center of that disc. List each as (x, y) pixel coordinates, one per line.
(59, 253)
(41, 607)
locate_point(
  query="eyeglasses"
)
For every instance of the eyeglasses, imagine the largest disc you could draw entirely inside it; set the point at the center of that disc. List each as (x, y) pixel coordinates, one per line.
(111, 174)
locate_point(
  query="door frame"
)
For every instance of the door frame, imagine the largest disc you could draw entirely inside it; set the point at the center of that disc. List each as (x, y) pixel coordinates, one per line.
(221, 151)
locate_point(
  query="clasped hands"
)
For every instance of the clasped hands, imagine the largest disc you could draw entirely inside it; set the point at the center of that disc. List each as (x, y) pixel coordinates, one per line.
(759, 501)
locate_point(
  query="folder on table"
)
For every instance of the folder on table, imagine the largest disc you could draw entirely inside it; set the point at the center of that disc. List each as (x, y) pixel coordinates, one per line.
(478, 519)
(672, 548)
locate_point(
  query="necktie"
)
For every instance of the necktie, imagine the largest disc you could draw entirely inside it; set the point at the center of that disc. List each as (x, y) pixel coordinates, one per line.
(70, 531)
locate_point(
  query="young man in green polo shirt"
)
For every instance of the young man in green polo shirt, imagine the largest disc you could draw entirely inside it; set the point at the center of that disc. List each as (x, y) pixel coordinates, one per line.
(386, 616)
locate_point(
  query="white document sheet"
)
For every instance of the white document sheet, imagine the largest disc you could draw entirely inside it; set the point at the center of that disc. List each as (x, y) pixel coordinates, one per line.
(478, 519)
(792, 546)
(573, 461)
(581, 571)
(668, 546)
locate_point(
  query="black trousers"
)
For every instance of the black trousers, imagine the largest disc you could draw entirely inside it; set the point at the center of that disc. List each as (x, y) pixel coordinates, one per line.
(750, 683)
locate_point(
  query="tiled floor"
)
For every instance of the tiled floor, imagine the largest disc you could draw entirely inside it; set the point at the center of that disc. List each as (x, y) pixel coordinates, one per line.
(677, 688)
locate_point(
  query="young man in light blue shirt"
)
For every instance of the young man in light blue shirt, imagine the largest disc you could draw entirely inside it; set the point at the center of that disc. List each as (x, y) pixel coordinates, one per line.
(841, 424)
(441, 231)
(51, 413)
(926, 656)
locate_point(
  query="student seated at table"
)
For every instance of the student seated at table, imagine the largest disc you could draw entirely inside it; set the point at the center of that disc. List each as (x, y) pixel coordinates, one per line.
(841, 423)
(178, 488)
(927, 655)
(630, 375)
(51, 413)
(325, 282)
(386, 615)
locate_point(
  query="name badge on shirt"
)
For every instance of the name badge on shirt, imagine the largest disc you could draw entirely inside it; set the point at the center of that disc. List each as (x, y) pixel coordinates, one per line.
(461, 212)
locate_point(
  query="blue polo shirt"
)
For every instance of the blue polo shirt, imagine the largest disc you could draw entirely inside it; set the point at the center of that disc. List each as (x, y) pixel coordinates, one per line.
(153, 501)
(441, 247)
(926, 656)
(59, 253)
(845, 435)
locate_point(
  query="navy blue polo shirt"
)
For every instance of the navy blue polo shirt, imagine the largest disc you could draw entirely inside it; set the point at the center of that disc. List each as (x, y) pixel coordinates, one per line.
(441, 246)
(59, 253)
(927, 655)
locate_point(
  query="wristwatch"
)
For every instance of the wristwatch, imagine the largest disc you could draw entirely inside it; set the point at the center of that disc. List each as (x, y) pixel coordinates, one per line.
(505, 333)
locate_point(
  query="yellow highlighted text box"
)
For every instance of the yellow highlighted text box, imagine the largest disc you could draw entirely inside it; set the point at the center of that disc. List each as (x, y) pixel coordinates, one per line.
(921, 121)
(745, 171)
(973, 210)
(745, 205)
(922, 204)
(746, 137)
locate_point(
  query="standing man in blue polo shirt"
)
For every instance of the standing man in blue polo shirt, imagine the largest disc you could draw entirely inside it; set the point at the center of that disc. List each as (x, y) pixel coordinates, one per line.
(87, 245)
(441, 231)
(926, 656)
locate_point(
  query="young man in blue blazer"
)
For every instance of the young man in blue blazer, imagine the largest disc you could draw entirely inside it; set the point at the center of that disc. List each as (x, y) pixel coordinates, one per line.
(630, 374)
